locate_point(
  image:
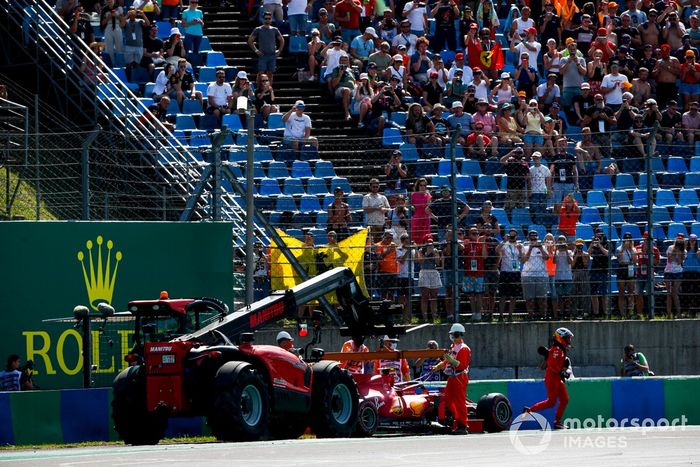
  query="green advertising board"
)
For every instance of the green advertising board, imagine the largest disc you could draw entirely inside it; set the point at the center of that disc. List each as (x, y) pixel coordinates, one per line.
(50, 267)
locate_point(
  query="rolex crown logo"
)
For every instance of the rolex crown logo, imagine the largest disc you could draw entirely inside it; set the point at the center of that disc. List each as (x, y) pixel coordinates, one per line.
(100, 277)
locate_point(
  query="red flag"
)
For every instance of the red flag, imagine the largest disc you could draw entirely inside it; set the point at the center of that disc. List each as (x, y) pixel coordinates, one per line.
(485, 59)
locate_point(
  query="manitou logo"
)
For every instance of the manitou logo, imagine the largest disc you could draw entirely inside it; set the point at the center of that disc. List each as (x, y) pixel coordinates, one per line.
(162, 348)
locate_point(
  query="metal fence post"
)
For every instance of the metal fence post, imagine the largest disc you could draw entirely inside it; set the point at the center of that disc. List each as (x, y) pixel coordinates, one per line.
(85, 164)
(650, 223)
(453, 246)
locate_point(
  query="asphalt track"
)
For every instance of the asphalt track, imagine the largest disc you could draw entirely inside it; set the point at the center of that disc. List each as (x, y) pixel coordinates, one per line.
(615, 447)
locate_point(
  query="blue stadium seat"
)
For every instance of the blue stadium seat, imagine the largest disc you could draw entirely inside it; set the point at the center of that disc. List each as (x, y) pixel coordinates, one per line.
(464, 183)
(631, 229)
(486, 183)
(324, 169)
(205, 45)
(297, 45)
(471, 167)
(269, 187)
(643, 180)
(520, 216)
(293, 186)
(444, 167)
(319, 233)
(274, 121)
(139, 75)
(671, 180)
(639, 198)
(277, 169)
(173, 107)
(596, 199)
(207, 74)
(665, 198)
(688, 197)
(201, 87)
(262, 153)
(355, 201)
(199, 138)
(590, 215)
(695, 228)
(659, 215)
(258, 172)
(209, 123)
(500, 215)
(342, 182)
(695, 160)
(215, 59)
(148, 89)
(675, 228)
(439, 181)
(163, 29)
(602, 182)
(409, 152)
(322, 219)
(232, 121)
(301, 169)
(619, 198)
(399, 118)
(180, 136)
(285, 203)
(683, 214)
(613, 215)
(191, 106)
(121, 74)
(425, 168)
(274, 218)
(584, 231)
(692, 180)
(309, 203)
(316, 186)
(625, 181)
(185, 122)
(676, 164)
(391, 137)
(610, 232)
(146, 101)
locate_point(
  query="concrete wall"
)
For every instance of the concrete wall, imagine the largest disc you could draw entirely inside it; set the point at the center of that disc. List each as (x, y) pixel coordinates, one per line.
(509, 350)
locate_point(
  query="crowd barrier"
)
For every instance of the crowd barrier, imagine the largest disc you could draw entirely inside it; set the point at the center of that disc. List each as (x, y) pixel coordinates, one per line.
(76, 415)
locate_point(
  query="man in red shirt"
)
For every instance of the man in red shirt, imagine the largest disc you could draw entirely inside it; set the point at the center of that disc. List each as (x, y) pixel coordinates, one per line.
(558, 369)
(478, 141)
(456, 367)
(690, 77)
(603, 44)
(347, 14)
(643, 269)
(474, 253)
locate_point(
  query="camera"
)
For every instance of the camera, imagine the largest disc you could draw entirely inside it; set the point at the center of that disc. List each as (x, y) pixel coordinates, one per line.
(342, 67)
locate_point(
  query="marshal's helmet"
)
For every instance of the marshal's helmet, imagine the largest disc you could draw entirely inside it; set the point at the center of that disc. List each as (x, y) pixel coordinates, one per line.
(457, 330)
(563, 336)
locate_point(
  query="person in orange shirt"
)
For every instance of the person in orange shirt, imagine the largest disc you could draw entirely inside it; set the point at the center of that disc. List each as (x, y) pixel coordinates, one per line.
(569, 214)
(456, 366)
(399, 367)
(387, 266)
(354, 345)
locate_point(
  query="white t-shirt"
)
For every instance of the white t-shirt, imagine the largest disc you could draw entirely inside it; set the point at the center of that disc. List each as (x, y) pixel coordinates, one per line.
(295, 126)
(333, 59)
(219, 93)
(272, 2)
(161, 84)
(467, 76)
(375, 201)
(542, 89)
(481, 91)
(563, 270)
(538, 177)
(672, 266)
(614, 97)
(533, 53)
(535, 266)
(521, 25)
(415, 17)
(510, 257)
(297, 7)
(405, 268)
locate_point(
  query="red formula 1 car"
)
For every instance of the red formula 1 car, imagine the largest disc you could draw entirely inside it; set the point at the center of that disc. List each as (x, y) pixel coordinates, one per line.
(413, 405)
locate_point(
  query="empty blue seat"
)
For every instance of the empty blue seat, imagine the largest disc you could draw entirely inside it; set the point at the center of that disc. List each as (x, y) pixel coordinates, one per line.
(301, 169)
(695, 160)
(464, 183)
(322, 219)
(695, 228)
(675, 228)
(316, 186)
(619, 198)
(610, 232)
(191, 106)
(471, 167)
(643, 180)
(269, 187)
(285, 203)
(486, 183)
(671, 180)
(207, 74)
(309, 203)
(232, 121)
(341, 182)
(324, 169)
(139, 75)
(631, 229)
(602, 182)
(320, 236)
(215, 59)
(688, 197)
(355, 201)
(590, 215)
(639, 198)
(625, 181)
(391, 137)
(295, 233)
(584, 231)
(440, 181)
(676, 164)
(665, 198)
(199, 138)
(613, 215)
(121, 74)
(185, 122)
(520, 216)
(274, 121)
(596, 199)
(444, 167)
(258, 172)
(209, 123)
(399, 118)
(692, 180)
(205, 45)
(500, 215)
(277, 169)
(293, 186)
(660, 215)
(409, 152)
(683, 214)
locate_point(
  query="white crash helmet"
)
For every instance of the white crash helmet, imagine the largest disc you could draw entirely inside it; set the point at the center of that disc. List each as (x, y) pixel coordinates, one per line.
(283, 335)
(457, 328)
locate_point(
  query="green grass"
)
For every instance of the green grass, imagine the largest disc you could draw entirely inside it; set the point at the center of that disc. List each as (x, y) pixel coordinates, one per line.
(87, 444)
(24, 205)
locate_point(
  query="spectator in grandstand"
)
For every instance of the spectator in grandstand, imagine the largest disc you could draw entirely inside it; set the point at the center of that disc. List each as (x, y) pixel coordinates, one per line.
(375, 206)
(550, 248)
(484, 116)
(628, 65)
(481, 84)
(432, 92)
(162, 86)
(572, 68)
(524, 48)
(665, 73)
(326, 28)
(241, 86)
(193, 22)
(363, 46)
(526, 76)
(641, 85)
(673, 274)
(611, 86)
(440, 211)
(110, 22)
(510, 253)
(582, 102)
(419, 129)
(518, 174)
(691, 272)
(398, 218)
(405, 38)
(442, 126)
(504, 91)
(153, 54)
(540, 183)
(563, 278)
(273, 8)
(671, 124)
(331, 54)
(421, 62)
(451, 260)
(219, 96)
(261, 272)
(581, 290)
(486, 217)
(381, 59)
(150, 7)
(264, 97)
(601, 119)
(388, 27)
(595, 71)
(549, 24)
(420, 221)
(445, 12)
(429, 257)
(487, 17)
(534, 276)
(80, 25)
(588, 157)
(315, 48)
(509, 132)
(347, 15)
(308, 260)
(405, 256)
(603, 45)
(557, 118)
(640, 136)
(477, 142)
(182, 83)
(624, 117)
(92, 71)
(548, 93)
(270, 44)
(626, 279)
(552, 59)
(673, 31)
(297, 127)
(297, 16)
(467, 21)
(175, 48)
(460, 64)
(691, 123)
(397, 71)
(634, 363)
(170, 11)
(417, 17)
(549, 135)
(332, 255)
(342, 84)
(533, 137)
(642, 269)
(362, 98)
(395, 172)
(439, 68)
(599, 273)
(488, 302)
(564, 173)
(473, 260)
(569, 214)
(387, 266)
(521, 24)
(339, 216)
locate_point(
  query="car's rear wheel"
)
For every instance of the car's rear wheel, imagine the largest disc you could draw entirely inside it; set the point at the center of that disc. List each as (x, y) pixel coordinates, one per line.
(496, 411)
(367, 419)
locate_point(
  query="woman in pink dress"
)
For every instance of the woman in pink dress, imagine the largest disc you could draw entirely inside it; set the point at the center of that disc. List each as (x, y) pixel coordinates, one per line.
(420, 222)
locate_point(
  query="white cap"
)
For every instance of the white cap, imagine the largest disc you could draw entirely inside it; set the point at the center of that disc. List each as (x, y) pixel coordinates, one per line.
(370, 30)
(505, 75)
(284, 335)
(242, 75)
(299, 103)
(398, 57)
(363, 76)
(387, 338)
(533, 101)
(457, 104)
(175, 31)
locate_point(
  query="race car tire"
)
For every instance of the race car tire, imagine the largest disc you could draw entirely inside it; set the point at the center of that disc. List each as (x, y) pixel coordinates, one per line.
(334, 401)
(367, 419)
(241, 409)
(133, 422)
(496, 411)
